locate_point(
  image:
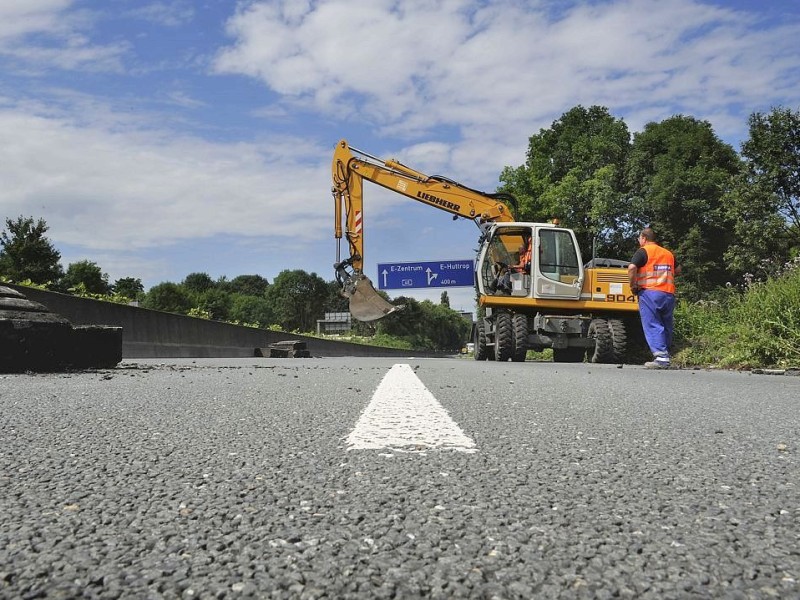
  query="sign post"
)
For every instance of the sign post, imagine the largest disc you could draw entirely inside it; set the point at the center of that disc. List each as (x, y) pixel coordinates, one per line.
(435, 274)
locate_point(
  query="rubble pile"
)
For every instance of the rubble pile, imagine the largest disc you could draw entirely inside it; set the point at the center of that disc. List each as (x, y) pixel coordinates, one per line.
(33, 338)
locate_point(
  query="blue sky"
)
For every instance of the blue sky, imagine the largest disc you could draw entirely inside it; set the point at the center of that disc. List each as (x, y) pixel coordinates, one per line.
(169, 137)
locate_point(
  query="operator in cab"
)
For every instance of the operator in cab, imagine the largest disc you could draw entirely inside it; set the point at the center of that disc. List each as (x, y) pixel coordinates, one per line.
(523, 266)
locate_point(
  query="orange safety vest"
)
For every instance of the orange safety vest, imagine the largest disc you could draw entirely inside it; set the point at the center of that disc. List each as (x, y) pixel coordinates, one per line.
(659, 272)
(524, 259)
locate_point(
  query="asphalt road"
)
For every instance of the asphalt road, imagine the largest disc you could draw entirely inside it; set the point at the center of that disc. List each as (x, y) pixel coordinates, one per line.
(234, 479)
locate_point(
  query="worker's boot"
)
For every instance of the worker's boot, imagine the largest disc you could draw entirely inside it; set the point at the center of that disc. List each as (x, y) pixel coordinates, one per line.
(659, 362)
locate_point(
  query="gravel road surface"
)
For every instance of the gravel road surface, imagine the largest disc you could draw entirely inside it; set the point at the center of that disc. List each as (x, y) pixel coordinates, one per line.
(233, 479)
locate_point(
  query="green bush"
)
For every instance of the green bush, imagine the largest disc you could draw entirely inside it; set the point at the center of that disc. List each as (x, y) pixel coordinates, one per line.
(757, 328)
(768, 318)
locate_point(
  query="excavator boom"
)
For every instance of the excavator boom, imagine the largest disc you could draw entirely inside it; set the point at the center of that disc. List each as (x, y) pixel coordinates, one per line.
(350, 168)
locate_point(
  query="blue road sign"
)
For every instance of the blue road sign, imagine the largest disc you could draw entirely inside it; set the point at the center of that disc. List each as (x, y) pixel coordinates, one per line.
(440, 273)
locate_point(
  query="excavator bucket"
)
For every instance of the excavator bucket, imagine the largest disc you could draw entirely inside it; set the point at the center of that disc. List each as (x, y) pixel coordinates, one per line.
(365, 302)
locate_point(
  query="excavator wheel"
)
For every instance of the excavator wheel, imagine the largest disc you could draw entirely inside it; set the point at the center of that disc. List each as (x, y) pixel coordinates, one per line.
(503, 337)
(619, 339)
(600, 330)
(481, 351)
(520, 326)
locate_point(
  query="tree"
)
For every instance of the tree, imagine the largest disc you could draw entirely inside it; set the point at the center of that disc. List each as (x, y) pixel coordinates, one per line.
(336, 302)
(765, 200)
(85, 276)
(251, 310)
(25, 252)
(216, 302)
(444, 299)
(169, 297)
(678, 174)
(426, 325)
(574, 171)
(198, 283)
(129, 287)
(445, 328)
(408, 324)
(250, 285)
(297, 299)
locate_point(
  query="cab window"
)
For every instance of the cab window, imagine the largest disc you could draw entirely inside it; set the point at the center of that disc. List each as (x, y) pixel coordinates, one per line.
(558, 258)
(504, 249)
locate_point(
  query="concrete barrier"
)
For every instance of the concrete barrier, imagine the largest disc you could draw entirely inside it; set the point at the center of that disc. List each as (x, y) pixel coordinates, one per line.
(154, 334)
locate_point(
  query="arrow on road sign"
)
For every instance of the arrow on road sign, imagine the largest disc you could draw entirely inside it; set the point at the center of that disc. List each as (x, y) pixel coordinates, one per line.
(431, 275)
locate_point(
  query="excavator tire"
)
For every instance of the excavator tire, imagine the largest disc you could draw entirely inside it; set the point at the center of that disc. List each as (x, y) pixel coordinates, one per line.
(619, 339)
(503, 337)
(481, 351)
(520, 326)
(603, 352)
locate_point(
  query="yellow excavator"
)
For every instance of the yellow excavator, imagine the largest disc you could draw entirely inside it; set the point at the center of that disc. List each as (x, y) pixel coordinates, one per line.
(554, 301)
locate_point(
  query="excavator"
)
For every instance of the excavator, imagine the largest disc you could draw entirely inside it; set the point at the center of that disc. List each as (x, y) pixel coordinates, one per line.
(581, 311)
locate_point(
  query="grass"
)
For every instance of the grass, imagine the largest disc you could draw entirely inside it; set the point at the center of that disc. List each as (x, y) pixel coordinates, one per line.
(759, 328)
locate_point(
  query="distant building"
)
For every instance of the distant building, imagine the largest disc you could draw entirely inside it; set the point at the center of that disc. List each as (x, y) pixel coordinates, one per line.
(335, 322)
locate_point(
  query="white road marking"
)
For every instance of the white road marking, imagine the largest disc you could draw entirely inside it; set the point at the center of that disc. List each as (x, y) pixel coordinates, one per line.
(404, 415)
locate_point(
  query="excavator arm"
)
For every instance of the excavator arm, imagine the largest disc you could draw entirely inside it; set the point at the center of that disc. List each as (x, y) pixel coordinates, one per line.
(350, 168)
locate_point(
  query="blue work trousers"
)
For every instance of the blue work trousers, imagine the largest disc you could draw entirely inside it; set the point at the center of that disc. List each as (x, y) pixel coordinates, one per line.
(656, 310)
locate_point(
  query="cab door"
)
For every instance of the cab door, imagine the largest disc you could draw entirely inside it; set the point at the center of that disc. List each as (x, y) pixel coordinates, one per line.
(502, 248)
(557, 268)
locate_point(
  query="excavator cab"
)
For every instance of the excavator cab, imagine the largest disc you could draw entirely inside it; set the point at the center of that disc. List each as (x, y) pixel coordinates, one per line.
(555, 270)
(502, 270)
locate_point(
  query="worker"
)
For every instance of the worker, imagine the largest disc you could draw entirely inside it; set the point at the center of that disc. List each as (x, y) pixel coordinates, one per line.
(651, 274)
(522, 266)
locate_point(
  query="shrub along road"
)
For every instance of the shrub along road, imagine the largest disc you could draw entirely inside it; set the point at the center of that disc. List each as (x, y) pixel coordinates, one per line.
(240, 478)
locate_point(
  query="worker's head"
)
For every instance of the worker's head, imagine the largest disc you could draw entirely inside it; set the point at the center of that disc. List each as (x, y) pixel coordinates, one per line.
(647, 235)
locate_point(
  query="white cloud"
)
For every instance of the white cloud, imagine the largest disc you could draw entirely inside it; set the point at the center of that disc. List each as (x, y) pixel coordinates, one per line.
(101, 189)
(418, 65)
(168, 14)
(58, 32)
(182, 99)
(32, 16)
